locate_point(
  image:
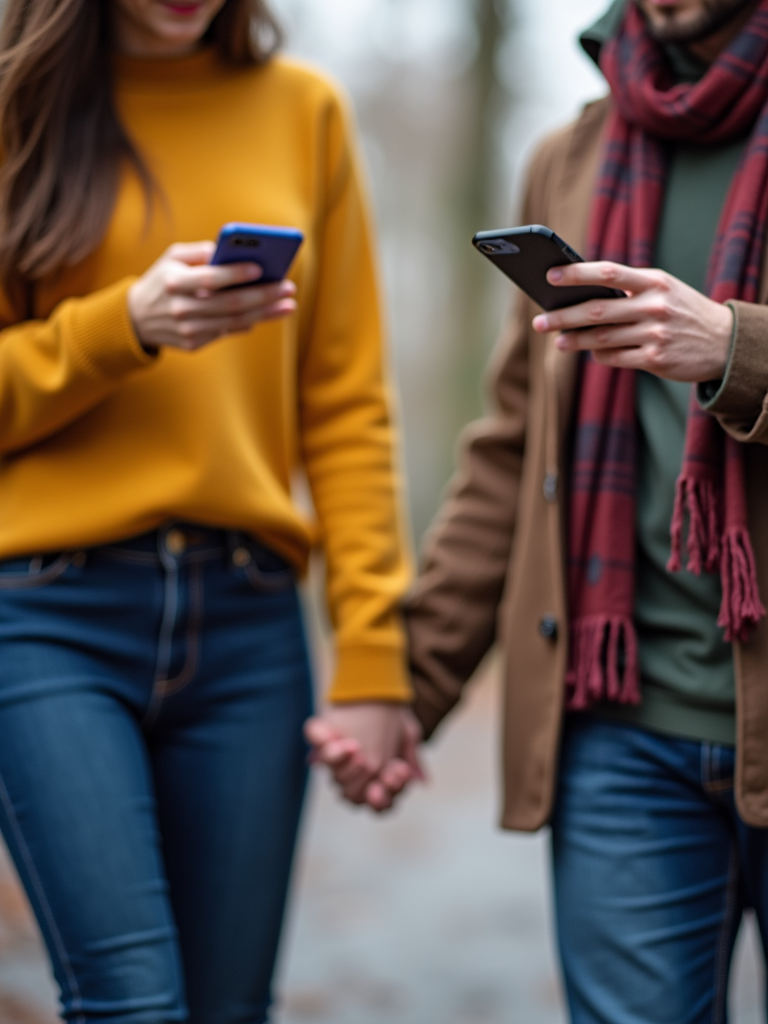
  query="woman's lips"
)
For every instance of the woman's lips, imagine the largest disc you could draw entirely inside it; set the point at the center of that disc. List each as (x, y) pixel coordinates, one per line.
(183, 10)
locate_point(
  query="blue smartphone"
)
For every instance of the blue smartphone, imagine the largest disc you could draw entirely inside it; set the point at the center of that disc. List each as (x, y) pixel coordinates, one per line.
(273, 248)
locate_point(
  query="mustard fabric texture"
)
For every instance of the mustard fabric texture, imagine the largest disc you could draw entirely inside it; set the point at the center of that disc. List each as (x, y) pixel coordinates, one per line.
(100, 440)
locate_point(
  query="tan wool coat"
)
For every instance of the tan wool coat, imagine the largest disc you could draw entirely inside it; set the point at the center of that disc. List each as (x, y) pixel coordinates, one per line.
(494, 564)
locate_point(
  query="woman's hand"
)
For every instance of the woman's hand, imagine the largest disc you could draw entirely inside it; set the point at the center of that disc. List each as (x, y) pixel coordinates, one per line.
(179, 301)
(663, 326)
(370, 748)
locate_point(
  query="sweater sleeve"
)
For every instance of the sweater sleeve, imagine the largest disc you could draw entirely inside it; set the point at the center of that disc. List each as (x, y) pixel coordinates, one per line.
(54, 371)
(348, 440)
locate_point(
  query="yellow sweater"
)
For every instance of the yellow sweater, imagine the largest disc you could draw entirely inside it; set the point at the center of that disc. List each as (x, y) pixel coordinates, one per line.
(100, 441)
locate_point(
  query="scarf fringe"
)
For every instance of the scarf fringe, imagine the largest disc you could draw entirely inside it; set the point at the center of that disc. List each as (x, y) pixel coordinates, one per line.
(594, 674)
(741, 607)
(699, 499)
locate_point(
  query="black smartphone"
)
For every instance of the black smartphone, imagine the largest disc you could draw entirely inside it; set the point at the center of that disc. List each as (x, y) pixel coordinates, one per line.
(526, 254)
(273, 248)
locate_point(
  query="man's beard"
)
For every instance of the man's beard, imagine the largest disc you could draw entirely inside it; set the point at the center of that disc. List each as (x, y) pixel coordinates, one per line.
(716, 13)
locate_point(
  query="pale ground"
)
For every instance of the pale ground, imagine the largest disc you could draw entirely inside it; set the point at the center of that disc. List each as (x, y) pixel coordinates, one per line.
(431, 916)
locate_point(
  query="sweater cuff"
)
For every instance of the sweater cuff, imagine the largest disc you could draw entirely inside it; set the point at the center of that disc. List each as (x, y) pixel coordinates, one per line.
(742, 390)
(370, 674)
(104, 341)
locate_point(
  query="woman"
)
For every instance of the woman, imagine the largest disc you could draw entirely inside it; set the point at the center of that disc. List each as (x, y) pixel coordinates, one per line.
(154, 675)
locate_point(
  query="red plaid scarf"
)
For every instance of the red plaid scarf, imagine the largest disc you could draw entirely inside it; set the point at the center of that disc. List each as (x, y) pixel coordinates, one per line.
(650, 107)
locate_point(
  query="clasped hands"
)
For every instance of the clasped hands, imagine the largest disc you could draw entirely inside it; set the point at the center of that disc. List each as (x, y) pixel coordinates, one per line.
(371, 749)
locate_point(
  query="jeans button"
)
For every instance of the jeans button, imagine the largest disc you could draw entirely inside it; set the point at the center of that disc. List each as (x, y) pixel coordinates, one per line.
(241, 557)
(548, 627)
(176, 542)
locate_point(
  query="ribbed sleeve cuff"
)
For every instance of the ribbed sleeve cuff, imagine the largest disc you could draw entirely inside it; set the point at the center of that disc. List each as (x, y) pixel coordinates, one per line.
(741, 392)
(370, 673)
(104, 342)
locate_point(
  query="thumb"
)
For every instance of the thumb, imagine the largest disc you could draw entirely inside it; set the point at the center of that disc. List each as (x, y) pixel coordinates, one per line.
(317, 731)
(194, 254)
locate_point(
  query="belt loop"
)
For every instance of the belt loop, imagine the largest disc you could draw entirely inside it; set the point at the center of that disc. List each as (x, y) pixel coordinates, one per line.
(234, 541)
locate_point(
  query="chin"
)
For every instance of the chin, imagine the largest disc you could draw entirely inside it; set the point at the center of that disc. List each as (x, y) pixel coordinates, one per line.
(181, 35)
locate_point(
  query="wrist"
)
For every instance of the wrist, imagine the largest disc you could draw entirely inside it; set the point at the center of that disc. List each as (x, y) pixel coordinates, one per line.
(722, 323)
(133, 299)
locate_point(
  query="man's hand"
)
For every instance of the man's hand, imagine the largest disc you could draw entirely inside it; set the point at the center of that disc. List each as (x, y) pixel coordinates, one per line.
(663, 326)
(370, 748)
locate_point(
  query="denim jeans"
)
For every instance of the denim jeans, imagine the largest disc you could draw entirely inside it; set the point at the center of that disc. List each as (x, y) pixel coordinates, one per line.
(152, 769)
(653, 867)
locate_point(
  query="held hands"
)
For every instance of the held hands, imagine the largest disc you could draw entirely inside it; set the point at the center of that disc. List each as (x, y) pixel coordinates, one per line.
(370, 749)
(179, 301)
(663, 326)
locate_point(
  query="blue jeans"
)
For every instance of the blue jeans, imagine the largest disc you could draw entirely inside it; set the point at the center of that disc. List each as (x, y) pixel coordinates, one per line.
(653, 867)
(152, 769)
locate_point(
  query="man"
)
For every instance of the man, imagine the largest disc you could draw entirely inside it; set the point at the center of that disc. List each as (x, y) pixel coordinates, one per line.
(636, 696)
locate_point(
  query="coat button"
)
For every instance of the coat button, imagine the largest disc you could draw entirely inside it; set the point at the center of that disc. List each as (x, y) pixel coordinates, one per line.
(550, 487)
(548, 627)
(176, 542)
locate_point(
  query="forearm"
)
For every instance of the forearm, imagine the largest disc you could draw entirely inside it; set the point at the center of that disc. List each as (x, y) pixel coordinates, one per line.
(357, 495)
(54, 371)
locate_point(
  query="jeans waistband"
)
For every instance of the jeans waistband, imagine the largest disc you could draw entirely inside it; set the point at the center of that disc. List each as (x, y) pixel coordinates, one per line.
(184, 542)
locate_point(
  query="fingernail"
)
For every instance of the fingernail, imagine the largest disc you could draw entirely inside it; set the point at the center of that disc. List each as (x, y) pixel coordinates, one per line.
(561, 341)
(541, 323)
(555, 275)
(254, 271)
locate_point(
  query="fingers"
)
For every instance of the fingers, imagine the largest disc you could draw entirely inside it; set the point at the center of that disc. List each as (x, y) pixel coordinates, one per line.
(318, 731)
(193, 334)
(236, 302)
(204, 280)
(609, 337)
(192, 253)
(349, 768)
(395, 775)
(382, 759)
(610, 275)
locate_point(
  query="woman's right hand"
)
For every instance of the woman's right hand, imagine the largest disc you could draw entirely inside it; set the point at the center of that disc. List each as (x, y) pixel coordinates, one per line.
(180, 300)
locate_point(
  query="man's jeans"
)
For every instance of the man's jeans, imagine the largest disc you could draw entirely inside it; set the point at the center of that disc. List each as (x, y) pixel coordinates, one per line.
(653, 867)
(152, 769)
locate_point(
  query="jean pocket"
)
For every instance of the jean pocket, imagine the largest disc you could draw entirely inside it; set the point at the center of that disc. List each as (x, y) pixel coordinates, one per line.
(32, 571)
(265, 570)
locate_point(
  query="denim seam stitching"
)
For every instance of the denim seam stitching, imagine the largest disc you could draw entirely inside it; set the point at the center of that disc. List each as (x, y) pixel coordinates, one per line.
(722, 959)
(165, 637)
(44, 904)
(262, 583)
(169, 687)
(38, 579)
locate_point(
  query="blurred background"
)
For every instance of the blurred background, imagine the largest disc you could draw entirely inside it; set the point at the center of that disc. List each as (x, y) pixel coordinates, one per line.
(432, 915)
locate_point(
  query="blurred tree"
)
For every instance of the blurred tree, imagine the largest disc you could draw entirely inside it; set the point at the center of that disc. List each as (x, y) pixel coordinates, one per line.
(478, 199)
(479, 202)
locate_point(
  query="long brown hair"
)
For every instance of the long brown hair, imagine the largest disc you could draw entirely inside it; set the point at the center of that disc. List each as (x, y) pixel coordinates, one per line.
(61, 141)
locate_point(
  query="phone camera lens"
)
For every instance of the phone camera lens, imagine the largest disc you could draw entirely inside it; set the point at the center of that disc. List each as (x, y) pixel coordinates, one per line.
(251, 243)
(488, 248)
